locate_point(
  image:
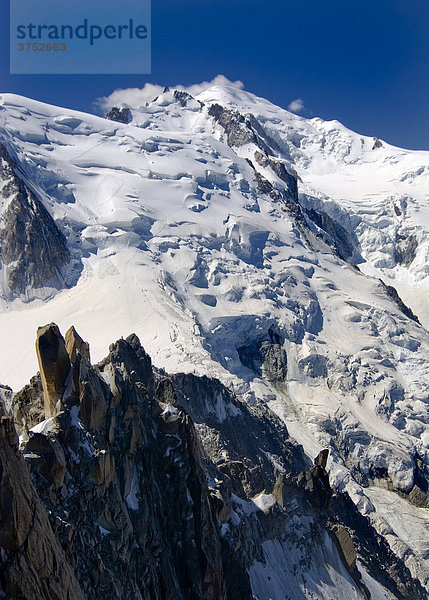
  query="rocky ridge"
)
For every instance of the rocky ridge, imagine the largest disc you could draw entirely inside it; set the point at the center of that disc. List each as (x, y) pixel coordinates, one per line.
(142, 486)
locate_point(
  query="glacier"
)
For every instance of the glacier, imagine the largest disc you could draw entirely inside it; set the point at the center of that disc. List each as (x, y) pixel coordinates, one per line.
(246, 243)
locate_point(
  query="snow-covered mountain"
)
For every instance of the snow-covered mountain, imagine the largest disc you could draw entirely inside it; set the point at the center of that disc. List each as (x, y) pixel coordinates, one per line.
(242, 242)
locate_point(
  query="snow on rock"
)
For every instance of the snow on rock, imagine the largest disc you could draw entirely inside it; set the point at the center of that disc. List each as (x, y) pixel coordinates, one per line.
(375, 589)
(407, 523)
(45, 426)
(132, 499)
(272, 580)
(226, 232)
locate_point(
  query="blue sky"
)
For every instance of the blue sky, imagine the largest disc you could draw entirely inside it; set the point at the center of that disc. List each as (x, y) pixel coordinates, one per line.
(364, 63)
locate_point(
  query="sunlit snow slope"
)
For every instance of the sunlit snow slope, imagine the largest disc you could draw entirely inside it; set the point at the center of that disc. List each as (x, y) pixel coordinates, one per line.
(186, 227)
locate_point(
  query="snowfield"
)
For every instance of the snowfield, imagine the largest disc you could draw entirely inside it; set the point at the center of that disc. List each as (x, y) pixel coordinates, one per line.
(173, 237)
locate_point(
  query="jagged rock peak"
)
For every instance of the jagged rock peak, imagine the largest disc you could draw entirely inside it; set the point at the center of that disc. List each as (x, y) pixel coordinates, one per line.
(120, 114)
(5, 397)
(131, 356)
(110, 464)
(165, 392)
(165, 487)
(34, 565)
(75, 345)
(28, 405)
(54, 365)
(322, 458)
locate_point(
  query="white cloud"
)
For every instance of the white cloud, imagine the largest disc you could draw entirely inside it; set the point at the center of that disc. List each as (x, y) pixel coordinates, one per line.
(132, 97)
(221, 80)
(296, 106)
(135, 97)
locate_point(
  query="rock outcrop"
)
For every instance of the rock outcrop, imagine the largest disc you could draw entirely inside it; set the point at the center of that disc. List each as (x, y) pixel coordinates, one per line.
(265, 356)
(242, 129)
(393, 294)
(54, 364)
(406, 248)
(145, 487)
(28, 405)
(34, 566)
(333, 233)
(122, 474)
(33, 251)
(75, 345)
(120, 114)
(5, 395)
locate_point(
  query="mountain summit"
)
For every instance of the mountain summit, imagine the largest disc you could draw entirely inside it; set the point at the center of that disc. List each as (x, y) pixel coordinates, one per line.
(286, 258)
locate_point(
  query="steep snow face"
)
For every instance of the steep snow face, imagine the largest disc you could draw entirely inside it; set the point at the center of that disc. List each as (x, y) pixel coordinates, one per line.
(272, 580)
(186, 226)
(377, 192)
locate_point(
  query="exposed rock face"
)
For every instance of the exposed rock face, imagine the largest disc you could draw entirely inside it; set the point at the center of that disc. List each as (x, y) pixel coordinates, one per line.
(182, 97)
(75, 345)
(241, 440)
(290, 179)
(274, 366)
(34, 566)
(322, 458)
(392, 293)
(337, 235)
(93, 398)
(243, 129)
(240, 129)
(54, 364)
(315, 484)
(405, 248)
(32, 249)
(28, 405)
(390, 571)
(162, 487)
(121, 115)
(45, 455)
(230, 430)
(5, 395)
(123, 477)
(265, 357)
(346, 544)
